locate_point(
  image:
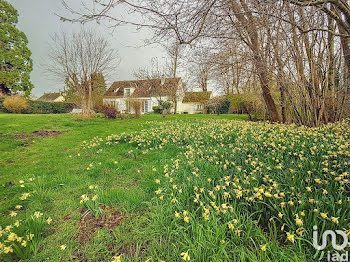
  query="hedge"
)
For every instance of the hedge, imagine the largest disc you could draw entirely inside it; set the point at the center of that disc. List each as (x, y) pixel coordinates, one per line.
(41, 107)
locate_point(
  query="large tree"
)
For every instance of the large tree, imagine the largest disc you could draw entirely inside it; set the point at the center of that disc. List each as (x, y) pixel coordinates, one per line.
(99, 88)
(15, 61)
(189, 21)
(77, 59)
(291, 48)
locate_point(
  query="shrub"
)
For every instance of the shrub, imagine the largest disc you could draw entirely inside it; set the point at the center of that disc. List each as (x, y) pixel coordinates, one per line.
(127, 116)
(15, 104)
(109, 112)
(166, 105)
(41, 107)
(157, 109)
(248, 103)
(163, 106)
(136, 105)
(218, 105)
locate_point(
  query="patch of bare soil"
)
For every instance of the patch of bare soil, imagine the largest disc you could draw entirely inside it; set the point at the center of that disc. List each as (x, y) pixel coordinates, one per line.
(40, 133)
(47, 133)
(89, 224)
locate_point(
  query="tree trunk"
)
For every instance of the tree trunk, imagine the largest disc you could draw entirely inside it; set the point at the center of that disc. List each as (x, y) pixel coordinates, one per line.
(331, 104)
(345, 42)
(248, 21)
(264, 83)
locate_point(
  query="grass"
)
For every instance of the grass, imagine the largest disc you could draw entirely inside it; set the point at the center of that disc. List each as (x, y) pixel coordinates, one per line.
(59, 166)
(212, 188)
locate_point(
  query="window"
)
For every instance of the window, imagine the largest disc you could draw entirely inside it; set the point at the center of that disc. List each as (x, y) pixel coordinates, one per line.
(147, 105)
(127, 92)
(199, 107)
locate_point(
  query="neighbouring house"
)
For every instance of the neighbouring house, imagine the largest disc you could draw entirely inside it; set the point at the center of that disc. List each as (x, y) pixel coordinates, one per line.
(153, 92)
(193, 102)
(52, 97)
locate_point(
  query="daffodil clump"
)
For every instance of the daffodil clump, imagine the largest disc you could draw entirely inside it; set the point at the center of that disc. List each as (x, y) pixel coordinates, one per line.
(283, 177)
(21, 239)
(91, 201)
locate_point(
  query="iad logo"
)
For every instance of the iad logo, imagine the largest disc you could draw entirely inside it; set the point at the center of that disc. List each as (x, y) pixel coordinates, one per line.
(333, 239)
(333, 235)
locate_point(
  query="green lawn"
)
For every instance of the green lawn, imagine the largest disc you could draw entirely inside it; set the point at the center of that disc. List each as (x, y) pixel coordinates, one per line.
(59, 166)
(187, 187)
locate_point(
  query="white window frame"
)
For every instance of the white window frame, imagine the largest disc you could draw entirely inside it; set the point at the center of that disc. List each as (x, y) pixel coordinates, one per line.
(146, 105)
(125, 91)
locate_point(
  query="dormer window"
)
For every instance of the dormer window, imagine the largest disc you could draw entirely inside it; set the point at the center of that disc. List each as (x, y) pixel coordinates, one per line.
(127, 92)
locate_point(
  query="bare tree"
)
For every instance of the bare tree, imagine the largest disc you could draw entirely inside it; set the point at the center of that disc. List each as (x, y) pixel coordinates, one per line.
(76, 58)
(188, 20)
(289, 49)
(339, 11)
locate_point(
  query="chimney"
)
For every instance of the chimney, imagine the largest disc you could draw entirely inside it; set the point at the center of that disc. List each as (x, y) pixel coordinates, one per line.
(162, 81)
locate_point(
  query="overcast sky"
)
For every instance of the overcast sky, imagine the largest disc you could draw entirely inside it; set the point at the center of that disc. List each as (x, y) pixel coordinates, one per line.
(38, 21)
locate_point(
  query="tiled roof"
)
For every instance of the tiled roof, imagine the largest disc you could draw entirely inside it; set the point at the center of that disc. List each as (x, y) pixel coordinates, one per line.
(143, 88)
(196, 97)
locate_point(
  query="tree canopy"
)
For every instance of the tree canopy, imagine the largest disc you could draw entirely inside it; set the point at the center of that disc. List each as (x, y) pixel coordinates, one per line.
(15, 61)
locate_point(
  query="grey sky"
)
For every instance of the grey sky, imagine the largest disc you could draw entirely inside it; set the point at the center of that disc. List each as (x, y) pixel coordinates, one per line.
(37, 20)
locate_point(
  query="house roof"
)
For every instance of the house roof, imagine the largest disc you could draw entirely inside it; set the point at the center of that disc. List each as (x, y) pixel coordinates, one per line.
(49, 96)
(196, 97)
(143, 88)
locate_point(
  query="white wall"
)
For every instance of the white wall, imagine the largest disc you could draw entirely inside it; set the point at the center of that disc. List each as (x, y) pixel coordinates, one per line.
(121, 103)
(190, 108)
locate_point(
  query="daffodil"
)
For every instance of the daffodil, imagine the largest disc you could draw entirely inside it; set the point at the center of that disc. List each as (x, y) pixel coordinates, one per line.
(335, 220)
(12, 237)
(290, 237)
(117, 258)
(324, 215)
(185, 256)
(298, 222)
(38, 214)
(7, 250)
(25, 196)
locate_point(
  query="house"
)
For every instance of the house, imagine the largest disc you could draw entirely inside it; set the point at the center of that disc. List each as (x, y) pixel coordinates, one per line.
(151, 93)
(193, 102)
(52, 97)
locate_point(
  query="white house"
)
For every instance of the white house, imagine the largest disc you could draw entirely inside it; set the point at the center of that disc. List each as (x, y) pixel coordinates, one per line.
(52, 97)
(152, 92)
(193, 102)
